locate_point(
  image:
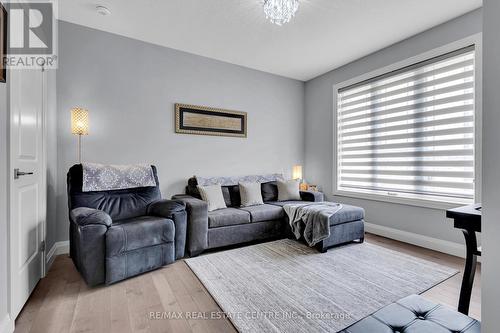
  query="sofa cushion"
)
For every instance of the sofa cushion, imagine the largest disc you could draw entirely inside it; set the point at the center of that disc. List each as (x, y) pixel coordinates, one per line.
(269, 191)
(135, 233)
(282, 203)
(227, 216)
(264, 212)
(347, 213)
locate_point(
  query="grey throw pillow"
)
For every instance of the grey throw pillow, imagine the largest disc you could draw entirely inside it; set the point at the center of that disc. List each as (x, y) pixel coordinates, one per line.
(250, 194)
(288, 190)
(212, 194)
(269, 191)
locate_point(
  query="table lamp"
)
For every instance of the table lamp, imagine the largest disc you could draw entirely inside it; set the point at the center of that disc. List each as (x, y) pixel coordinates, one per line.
(79, 126)
(297, 174)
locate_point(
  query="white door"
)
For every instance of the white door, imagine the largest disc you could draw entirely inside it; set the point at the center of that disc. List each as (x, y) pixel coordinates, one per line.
(27, 184)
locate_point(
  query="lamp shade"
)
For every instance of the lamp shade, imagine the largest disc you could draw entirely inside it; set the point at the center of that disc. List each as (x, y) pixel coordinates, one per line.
(79, 121)
(297, 172)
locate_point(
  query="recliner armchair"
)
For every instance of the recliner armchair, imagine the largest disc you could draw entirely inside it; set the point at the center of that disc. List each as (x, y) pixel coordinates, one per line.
(122, 233)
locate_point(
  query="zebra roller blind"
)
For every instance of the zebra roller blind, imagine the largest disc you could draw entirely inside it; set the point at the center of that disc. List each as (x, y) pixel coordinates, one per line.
(410, 131)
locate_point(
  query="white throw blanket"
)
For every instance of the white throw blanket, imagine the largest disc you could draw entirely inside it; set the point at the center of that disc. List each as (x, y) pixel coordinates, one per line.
(100, 177)
(312, 220)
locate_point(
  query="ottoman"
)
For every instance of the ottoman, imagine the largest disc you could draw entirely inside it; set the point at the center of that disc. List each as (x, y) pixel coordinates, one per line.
(346, 225)
(415, 314)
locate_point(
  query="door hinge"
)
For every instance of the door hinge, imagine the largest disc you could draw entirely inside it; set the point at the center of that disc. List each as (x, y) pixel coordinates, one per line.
(42, 246)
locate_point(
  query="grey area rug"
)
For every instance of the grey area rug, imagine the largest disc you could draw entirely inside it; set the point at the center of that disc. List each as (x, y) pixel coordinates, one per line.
(285, 286)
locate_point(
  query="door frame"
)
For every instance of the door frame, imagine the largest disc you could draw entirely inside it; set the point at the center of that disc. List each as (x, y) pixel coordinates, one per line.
(10, 240)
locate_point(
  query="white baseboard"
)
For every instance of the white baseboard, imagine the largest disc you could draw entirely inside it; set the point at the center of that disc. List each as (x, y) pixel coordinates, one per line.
(7, 325)
(455, 249)
(57, 249)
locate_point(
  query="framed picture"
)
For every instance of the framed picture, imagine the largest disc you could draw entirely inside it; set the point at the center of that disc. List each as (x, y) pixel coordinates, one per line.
(193, 119)
(3, 43)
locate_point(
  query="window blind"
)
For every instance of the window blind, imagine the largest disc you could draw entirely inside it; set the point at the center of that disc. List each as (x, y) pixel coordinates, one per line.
(410, 131)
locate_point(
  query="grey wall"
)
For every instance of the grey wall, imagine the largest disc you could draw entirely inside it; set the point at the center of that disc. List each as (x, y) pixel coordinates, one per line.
(319, 131)
(490, 289)
(130, 88)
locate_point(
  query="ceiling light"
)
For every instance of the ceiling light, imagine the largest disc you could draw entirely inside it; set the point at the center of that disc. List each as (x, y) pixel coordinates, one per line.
(280, 11)
(104, 11)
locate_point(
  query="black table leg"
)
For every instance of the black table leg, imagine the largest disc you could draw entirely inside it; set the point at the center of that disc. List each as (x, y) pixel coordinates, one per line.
(469, 271)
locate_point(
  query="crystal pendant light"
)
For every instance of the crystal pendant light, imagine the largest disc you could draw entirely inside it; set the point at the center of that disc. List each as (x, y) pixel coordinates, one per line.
(280, 11)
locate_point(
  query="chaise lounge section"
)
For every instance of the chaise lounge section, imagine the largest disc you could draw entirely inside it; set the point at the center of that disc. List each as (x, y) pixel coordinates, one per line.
(345, 226)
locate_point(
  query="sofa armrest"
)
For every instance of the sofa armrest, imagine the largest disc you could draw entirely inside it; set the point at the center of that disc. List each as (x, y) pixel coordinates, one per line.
(197, 223)
(83, 216)
(313, 196)
(176, 211)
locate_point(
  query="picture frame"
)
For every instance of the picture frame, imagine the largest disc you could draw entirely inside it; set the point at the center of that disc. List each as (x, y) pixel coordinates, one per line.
(202, 120)
(3, 42)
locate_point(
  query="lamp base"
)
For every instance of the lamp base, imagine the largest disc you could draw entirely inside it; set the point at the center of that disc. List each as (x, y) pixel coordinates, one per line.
(80, 148)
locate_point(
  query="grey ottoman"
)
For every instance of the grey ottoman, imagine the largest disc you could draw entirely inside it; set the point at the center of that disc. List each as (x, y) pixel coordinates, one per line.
(418, 315)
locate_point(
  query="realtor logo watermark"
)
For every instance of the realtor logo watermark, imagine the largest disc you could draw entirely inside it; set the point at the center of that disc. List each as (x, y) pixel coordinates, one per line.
(248, 315)
(32, 34)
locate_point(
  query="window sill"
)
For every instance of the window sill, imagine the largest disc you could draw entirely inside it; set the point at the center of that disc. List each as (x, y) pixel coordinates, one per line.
(434, 203)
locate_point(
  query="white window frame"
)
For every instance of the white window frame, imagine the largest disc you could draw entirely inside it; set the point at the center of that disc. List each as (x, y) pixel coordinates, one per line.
(416, 199)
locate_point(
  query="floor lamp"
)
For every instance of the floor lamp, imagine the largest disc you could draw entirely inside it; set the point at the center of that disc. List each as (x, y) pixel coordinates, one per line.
(79, 126)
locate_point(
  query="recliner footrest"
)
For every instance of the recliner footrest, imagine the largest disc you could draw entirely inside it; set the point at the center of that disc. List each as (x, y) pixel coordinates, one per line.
(138, 245)
(138, 261)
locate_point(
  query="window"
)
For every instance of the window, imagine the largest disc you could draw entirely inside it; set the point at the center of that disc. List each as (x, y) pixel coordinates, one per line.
(410, 132)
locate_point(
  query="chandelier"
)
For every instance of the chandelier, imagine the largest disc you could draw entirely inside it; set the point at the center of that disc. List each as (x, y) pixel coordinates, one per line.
(280, 11)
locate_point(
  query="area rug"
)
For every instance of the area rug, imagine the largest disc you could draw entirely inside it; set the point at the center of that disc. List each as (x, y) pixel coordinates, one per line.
(285, 286)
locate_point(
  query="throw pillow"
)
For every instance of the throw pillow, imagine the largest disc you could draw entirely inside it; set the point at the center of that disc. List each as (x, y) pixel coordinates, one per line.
(226, 194)
(250, 194)
(288, 190)
(212, 195)
(234, 195)
(269, 191)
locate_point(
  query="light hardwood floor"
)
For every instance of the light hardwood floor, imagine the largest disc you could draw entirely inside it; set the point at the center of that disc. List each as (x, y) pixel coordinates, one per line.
(63, 303)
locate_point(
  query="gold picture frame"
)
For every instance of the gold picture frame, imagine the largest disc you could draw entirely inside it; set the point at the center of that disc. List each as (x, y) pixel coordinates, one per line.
(3, 43)
(202, 120)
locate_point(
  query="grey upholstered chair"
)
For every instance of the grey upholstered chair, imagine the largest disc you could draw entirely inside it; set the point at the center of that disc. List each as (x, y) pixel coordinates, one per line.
(118, 234)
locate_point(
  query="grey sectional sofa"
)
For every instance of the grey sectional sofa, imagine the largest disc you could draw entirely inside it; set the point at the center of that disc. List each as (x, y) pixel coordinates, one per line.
(235, 224)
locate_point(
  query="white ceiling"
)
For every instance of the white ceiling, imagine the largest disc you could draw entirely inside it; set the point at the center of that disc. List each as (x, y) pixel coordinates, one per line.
(325, 34)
